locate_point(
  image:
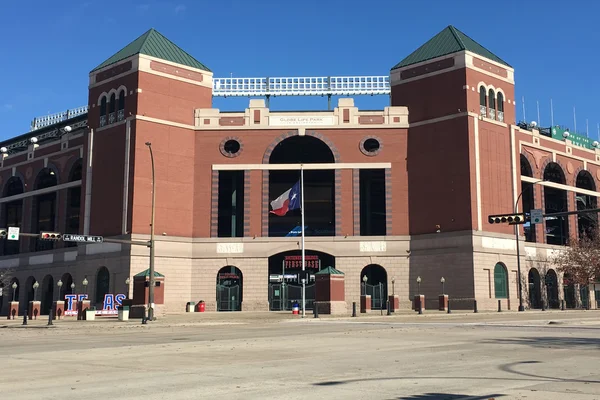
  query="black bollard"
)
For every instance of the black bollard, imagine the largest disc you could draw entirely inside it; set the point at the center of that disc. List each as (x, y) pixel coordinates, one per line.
(316, 311)
(499, 306)
(562, 305)
(475, 306)
(449, 312)
(354, 309)
(543, 305)
(50, 317)
(25, 318)
(388, 308)
(144, 321)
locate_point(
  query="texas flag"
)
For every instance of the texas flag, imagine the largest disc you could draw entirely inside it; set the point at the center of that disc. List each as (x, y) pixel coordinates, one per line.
(289, 200)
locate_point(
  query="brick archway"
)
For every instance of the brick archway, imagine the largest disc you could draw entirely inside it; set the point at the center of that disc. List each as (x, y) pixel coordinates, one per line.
(265, 179)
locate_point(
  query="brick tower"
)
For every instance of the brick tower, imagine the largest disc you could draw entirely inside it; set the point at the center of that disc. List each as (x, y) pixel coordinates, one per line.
(146, 92)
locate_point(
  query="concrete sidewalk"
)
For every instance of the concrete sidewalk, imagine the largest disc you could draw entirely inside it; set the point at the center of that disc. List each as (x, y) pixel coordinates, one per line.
(571, 318)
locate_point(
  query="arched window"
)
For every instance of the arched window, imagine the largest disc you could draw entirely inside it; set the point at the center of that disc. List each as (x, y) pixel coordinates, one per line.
(103, 111)
(121, 108)
(111, 109)
(500, 281)
(482, 101)
(492, 103)
(500, 107)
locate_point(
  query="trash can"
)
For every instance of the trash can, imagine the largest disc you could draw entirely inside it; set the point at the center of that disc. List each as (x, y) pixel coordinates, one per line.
(190, 307)
(201, 306)
(295, 308)
(123, 313)
(90, 314)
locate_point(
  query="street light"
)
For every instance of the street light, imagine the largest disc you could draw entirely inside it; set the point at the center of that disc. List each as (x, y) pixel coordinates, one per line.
(14, 288)
(127, 281)
(365, 279)
(442, 281)
(36, 285)
(151, 288)
(72, 287)
(418, 285)
(59, 284)
(85, 283)
(521, 307)
(393, 282)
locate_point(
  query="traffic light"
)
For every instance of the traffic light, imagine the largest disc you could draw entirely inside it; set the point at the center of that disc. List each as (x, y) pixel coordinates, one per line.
(511, 219)
(3, 233)
(50, 235)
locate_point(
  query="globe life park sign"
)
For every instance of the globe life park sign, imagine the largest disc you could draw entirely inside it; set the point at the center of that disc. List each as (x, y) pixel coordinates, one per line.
(109, 305)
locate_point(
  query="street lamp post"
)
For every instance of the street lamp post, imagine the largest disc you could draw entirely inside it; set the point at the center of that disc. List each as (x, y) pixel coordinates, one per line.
(14, 288)
(127, 281)
(36, 285)
(85, 283)
(393, 282)
(365, 279)
(72, 287)
(521, 307)
(443, 281)
(151, 288)
(418, 285)
(59, 284)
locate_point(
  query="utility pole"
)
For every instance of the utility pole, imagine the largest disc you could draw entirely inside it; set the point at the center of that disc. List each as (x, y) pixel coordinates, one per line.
(151, 288)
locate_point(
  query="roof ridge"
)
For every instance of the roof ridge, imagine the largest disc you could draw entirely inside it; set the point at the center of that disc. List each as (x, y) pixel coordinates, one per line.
(455, 32)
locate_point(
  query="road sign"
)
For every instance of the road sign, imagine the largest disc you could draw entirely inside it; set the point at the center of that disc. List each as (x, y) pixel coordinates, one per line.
(82, 238)
(536, 216)
(13, 232)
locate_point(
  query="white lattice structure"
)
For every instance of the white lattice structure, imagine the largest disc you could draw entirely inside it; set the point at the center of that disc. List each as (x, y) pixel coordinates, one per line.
(266, 87)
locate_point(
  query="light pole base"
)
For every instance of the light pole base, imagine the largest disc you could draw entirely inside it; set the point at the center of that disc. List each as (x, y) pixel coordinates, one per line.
(521, 308)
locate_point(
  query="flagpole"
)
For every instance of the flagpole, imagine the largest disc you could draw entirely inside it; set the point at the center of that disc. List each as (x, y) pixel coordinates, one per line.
(303, 255)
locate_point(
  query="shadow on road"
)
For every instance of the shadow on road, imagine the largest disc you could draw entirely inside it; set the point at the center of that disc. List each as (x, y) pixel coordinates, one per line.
(549, 342)
(447, 396)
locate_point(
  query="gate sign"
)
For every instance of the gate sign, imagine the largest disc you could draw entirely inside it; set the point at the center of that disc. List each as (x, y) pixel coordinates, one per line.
(109, 306)
(536, 216)
(67, 237)
(295, 262)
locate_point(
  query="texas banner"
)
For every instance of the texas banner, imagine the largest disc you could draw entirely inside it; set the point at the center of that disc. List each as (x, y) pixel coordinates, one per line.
(289, 200)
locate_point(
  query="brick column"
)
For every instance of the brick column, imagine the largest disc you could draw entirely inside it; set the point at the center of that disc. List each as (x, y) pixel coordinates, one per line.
(388, 201)
(214, 205)
(337, 200)
(572, 206)
(347, 204)
(265, 204)
(540, 202)
(60, 223)
(356, 200)
(247, 208)
(27, 224)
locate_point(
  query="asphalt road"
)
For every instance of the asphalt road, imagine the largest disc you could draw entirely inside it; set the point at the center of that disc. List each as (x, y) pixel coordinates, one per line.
(365, 358)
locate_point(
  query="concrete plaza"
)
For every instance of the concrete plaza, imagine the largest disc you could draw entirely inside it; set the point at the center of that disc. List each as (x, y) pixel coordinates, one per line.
(532, 355)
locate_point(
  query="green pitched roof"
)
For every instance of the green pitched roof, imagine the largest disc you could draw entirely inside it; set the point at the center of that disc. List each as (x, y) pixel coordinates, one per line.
(448, 41)
(146, 273)
(152, 43)
(329, 271)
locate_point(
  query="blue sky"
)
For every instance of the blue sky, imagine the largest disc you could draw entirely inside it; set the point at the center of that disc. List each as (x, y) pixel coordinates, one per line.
(49, 47)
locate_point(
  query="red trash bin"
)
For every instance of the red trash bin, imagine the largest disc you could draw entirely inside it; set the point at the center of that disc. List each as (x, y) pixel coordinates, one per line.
(200, 307)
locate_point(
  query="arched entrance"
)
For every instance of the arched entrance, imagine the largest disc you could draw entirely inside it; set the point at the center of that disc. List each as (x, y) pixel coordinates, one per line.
(319, 188)
(47, 294)
(569, 292)
(535, 290)
(552, 289)
(375, 285)
(102, 284)
(230, 284)
(285, 286)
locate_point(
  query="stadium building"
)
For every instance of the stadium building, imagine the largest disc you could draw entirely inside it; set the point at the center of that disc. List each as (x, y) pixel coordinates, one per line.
(395, 199)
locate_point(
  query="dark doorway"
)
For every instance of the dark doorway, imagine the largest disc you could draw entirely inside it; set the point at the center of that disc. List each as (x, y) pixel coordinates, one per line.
(586, 223)
(47, 294)
(102, 285)
(552, 289)
(319, 186)
(231, 204)
(230, 285)
(13, 214)
(535, 290)
(285, 286)
(375, 285)
(527, 198)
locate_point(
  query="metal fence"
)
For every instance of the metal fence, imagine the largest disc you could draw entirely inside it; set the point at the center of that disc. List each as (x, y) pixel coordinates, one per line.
(228, 298)
(283, 296)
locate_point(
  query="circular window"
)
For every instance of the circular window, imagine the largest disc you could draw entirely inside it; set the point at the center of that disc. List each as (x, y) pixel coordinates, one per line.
(230, 147)
(370, 146)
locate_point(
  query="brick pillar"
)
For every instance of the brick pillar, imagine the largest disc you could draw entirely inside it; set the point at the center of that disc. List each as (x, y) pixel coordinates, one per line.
(337, 199)
(214, 204)
(255, 203)
(540, 202)
(572, 206)
(27, 224)
(247, 209)
(356, 200)
(347, 206)
(265, 204)
(60, 223)
(388, 201)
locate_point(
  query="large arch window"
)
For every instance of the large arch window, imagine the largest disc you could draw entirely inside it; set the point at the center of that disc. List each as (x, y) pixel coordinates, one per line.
(111, 109)
(121, 108)
(557, 228)
(492, 103)
(74, 201)
(319, 216)
(527, 198)
(45, 208)
(13, 213)
(500, 281)
(103, 111)
(586, 223)
(482, 101)
(500, 107)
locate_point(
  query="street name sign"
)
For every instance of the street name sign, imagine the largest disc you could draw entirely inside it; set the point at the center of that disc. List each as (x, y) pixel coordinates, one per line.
(67, 237)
